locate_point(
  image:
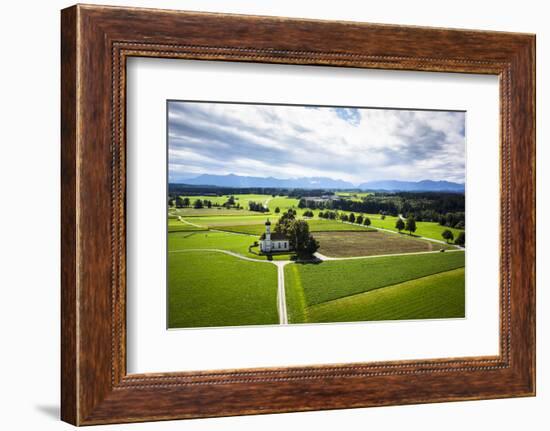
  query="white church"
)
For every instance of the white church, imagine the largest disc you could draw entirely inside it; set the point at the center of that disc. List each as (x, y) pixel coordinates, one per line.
(273, 242)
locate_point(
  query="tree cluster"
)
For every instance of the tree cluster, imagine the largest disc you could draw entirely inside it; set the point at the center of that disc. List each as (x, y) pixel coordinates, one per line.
(428, 206)
(257, 206)
(297, 232)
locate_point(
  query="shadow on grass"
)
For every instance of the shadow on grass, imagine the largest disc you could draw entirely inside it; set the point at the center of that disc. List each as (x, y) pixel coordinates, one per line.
(307, 260)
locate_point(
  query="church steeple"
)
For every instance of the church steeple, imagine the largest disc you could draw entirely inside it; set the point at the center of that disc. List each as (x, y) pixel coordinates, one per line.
(268, 230)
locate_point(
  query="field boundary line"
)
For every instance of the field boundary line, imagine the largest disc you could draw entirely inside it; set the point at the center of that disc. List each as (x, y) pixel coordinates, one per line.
(383, 287)
(328, 259)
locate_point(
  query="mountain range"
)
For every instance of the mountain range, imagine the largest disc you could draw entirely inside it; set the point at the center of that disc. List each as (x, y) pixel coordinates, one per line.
(233, 180)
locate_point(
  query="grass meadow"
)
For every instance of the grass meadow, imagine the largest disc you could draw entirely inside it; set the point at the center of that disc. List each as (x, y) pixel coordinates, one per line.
(208, 288)
(196, 297)
(435, 296)
(310, 285)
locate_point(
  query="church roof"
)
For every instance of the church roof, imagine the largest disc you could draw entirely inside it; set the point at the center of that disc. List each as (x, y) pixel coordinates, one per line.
(276, 236)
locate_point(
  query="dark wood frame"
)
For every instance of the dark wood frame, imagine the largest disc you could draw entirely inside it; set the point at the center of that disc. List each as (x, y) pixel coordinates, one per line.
(95, 43)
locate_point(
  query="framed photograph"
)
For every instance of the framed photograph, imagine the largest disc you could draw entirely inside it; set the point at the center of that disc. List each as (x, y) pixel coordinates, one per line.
(266, 215)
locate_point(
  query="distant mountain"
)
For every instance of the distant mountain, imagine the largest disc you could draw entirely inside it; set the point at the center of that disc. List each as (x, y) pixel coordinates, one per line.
(412, 186)
(238, 181)
(233, 180)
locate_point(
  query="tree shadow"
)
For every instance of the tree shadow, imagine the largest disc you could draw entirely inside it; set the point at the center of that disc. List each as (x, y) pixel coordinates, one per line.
(308, 261)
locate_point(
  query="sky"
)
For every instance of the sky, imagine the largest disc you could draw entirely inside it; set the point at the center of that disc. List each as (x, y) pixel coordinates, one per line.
(351, 144)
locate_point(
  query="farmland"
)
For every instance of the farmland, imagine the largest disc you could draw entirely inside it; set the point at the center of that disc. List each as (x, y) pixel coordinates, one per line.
(195, 299)
(217, 275)
(436, 296)
(371, 242)
(322, 282)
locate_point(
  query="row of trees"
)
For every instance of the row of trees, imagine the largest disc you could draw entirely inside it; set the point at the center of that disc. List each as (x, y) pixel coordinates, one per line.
(410, 225)
(422, 206)
(180, 202)
(186, 202)
(351, 218)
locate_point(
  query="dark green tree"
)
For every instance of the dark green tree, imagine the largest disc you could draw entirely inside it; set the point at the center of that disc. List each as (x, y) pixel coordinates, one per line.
(410, 225)
(283, 225)
(400, 224)
(367, 221)
(277, 210)
(461, 239)
(360, 219)
(300, 239)
(352, 218)
(197, 204)
(447, 235)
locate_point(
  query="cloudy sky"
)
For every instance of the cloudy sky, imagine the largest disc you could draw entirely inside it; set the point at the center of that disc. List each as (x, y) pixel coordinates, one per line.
(351, 144)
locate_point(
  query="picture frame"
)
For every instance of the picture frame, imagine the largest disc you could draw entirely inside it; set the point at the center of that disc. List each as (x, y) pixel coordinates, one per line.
(96, 42)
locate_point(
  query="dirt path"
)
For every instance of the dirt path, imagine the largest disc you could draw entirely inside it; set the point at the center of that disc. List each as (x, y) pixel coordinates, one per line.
(180, 218)
(323, 257)
(281, 298)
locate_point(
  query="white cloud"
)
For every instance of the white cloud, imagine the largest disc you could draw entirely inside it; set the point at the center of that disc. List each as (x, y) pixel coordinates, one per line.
(356, 145)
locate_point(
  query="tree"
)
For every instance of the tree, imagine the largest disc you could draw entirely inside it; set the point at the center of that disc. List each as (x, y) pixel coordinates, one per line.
(283, 225)
(186, 202)
(321, 214)
(197, 204)
(302, 203)
(410, 225)
(461, 239)
(359, 219)
(400, 224)
(447, 235)
(179, 202)
(382, 216)
(367, 222)
(352, 218)
(277, 210)
(300, 240)
(308, 213)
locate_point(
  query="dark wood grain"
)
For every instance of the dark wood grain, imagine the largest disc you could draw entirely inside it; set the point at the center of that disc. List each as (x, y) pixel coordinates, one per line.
(96, 41)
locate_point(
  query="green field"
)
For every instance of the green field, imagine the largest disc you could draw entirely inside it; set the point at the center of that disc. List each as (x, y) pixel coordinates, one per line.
(196, 299)
(323, 282)
(208, 288)
(283, 203)
(435, 296)
(423, 228)
(214, 211)
(315, 225)
(214, 240)
(175, 225)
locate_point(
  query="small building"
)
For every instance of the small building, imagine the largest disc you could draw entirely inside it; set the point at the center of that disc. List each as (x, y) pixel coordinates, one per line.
(273, 242)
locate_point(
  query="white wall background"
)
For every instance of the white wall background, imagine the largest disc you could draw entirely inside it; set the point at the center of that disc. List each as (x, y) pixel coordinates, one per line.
(29, 216)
